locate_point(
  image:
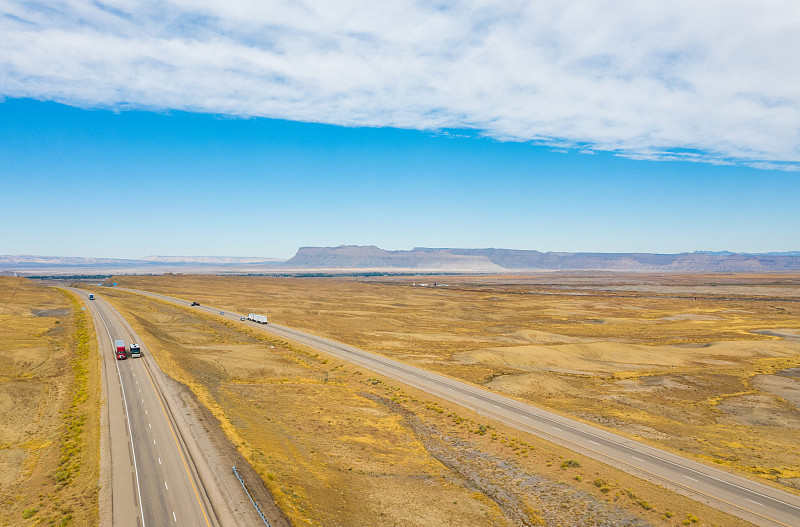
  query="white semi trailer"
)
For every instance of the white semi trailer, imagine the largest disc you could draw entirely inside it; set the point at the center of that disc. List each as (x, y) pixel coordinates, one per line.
(261, 319)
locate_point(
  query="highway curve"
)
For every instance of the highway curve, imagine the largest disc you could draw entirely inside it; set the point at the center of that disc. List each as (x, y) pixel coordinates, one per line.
(153, 479)
(164, 469)
(755, 502)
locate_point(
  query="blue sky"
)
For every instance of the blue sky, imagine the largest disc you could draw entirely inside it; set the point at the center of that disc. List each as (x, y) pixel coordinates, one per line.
(195, 127)
(136, 183)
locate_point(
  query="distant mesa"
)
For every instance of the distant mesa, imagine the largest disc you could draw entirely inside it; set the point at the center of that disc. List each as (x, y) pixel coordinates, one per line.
(420, 259)
(371, 257)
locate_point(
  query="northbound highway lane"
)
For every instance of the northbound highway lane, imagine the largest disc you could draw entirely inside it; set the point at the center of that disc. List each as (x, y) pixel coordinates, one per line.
(154, 482)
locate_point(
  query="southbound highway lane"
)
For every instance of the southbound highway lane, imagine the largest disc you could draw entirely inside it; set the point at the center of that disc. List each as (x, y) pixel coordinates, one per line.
(748, 499)
(153, 480)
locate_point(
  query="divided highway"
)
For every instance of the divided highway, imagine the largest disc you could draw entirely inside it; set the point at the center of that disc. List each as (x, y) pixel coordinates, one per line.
(750, 500)
(153, 481)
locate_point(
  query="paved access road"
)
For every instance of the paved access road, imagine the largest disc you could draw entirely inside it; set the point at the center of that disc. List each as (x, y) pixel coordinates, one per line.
(153, 480)
(750, 500)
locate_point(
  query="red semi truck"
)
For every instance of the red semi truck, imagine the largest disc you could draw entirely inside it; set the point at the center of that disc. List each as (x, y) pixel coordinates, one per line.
(120, 345)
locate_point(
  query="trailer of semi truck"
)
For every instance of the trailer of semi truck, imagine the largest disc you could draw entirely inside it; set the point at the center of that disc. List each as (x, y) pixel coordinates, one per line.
(261, 319)
(120, 346)
(136, 351)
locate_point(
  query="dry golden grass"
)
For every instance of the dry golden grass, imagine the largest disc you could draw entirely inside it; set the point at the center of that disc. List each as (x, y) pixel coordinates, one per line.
(670, 359)
(329, 455)
(338, 445)
(49, 408)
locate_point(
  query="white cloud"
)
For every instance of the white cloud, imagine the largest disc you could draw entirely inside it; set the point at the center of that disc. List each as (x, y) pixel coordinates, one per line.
(712, 81)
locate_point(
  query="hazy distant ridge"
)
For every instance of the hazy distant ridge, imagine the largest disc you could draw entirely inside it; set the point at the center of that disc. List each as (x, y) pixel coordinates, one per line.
(211, 259)
(78, 261)
(33, 265)
(356, 257)
(371, 257)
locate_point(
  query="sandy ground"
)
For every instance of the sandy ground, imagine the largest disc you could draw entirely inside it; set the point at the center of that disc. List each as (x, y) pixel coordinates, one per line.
(787, 388)
(337, 447)
(49, 408)
(670, 359)
(604, 357)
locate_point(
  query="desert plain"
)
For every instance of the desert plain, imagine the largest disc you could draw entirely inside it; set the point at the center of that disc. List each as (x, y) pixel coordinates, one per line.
(701, 365)
(49, 408)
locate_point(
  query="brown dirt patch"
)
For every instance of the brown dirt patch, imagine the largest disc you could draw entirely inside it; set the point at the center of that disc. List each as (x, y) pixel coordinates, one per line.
(784, 387)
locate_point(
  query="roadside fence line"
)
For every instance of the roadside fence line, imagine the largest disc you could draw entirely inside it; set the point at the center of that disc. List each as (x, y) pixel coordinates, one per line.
(258, 509)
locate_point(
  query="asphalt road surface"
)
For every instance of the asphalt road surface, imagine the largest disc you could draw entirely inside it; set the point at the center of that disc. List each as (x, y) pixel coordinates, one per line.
(747, 499)
(153, 480)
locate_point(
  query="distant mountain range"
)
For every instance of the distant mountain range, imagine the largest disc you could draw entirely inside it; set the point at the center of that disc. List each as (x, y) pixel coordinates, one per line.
(499, 260)
(46, 265)
(729, 253)
(210, 259)
(419, 259)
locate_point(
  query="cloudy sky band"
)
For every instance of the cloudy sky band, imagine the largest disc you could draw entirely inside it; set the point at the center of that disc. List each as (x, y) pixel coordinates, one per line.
(711, 82)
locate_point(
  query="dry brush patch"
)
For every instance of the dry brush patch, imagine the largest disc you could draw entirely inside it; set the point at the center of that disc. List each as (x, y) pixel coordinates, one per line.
(680, 361)
(329, 455)
(337, 445)
(49, 408)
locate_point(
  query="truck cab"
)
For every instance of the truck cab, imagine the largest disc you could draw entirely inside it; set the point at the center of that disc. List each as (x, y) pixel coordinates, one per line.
(119, 345)
(136, 351)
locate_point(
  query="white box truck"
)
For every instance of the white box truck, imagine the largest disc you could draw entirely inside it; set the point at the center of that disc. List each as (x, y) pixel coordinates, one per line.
(261, 319)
